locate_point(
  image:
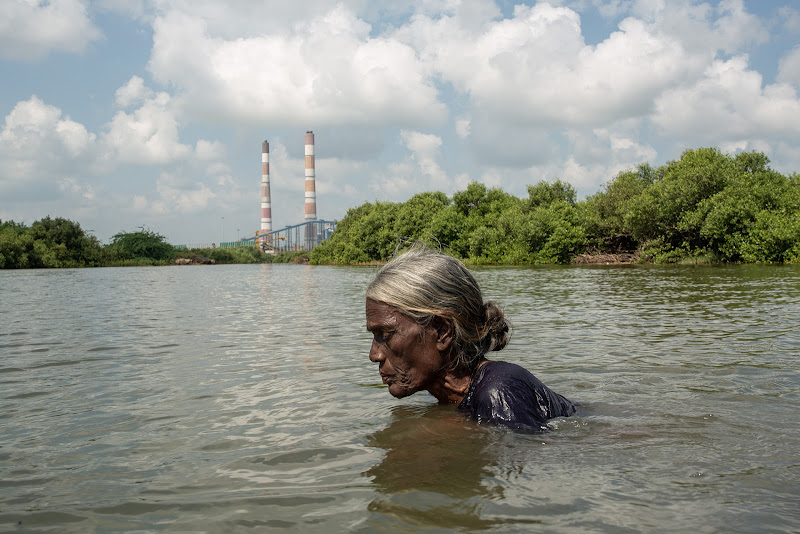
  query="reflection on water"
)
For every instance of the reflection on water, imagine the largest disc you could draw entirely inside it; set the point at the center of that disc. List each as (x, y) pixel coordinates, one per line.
(435, 463)
(225, 398)
(431, 448)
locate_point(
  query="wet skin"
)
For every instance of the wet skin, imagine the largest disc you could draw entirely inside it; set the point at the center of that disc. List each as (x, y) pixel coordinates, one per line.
(411, 357)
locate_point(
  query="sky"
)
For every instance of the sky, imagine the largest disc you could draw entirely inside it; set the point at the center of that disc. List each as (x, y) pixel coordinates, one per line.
(128, 114)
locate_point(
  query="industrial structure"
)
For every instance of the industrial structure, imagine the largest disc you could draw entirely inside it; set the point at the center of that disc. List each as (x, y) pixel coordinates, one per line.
(311, 189)
(303, 236)
(266, 202)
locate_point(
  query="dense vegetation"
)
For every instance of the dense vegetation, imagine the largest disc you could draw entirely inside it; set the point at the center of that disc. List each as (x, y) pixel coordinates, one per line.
(62, 243)
(707, 206)
(139, 247)
(48, 243)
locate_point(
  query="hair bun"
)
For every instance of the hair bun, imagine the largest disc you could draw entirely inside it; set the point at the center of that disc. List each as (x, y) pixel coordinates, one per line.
(497, 329)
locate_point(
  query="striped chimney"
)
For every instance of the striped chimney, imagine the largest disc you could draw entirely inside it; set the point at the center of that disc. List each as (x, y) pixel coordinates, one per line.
(266, 204)
(311, 193)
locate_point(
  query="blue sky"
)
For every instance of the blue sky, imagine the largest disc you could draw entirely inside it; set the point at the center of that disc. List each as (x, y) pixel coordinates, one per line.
(120, 114)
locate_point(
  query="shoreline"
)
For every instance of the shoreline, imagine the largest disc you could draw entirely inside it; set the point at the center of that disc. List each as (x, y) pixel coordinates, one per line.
(622, 258)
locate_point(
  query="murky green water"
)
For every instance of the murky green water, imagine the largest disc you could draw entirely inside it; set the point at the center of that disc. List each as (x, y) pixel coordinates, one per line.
(228, 398)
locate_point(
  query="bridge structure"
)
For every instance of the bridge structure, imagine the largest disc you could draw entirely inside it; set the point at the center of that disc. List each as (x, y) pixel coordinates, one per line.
(303, 236)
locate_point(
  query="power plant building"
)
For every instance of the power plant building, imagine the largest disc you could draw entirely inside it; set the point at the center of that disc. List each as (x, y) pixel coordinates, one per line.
(306, 235)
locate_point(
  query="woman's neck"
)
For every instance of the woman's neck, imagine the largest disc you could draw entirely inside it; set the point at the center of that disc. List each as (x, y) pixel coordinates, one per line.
(450, 387)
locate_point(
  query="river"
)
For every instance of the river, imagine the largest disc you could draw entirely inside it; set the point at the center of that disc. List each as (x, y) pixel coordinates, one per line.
(240, 397)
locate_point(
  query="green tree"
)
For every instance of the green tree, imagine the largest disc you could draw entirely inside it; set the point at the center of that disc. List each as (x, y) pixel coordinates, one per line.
(474, 229)
(715, 205)
(672, 209)
(48, 243)
(448, 228)
(144, 244)
(545, 193)
(707, 204)
(604, 215)
(415, 216)
(365, 233)
(16, 246)
(552, 233)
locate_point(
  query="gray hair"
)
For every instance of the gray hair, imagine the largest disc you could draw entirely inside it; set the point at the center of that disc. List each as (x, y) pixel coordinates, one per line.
(423, 283)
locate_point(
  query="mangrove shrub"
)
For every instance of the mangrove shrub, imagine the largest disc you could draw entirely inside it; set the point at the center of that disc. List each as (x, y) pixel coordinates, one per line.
(706, 205)
(141, 245)
(48, 243)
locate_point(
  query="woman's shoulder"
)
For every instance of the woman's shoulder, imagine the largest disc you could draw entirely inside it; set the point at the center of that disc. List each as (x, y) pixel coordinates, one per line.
(498, 372)
(511, 388)
(508, 394)
(497, 380)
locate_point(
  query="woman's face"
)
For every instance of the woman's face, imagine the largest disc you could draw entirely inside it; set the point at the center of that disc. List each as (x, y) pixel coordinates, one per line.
(406, 352)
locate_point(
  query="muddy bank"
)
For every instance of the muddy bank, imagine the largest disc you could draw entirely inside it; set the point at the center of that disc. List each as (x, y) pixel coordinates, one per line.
(606, 259)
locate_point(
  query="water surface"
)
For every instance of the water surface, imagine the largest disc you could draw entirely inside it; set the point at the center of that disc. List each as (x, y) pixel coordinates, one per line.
(227, 398)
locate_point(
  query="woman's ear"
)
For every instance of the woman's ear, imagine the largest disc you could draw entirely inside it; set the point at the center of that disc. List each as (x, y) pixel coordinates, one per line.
(444, 332)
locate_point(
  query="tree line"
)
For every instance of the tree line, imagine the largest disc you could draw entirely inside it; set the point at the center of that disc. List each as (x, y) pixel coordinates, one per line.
(707, 206)
(59, 242)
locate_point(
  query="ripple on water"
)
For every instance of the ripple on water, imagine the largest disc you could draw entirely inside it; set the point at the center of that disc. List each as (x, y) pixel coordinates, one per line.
(227, 397)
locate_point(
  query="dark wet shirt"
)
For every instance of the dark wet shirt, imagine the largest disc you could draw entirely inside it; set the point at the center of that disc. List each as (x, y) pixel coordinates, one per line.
(507, 394)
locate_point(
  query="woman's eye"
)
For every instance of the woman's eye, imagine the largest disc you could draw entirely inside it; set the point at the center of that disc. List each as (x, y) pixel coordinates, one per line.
(383, 336)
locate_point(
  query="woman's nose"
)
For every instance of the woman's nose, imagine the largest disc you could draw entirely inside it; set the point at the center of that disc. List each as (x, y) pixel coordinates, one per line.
(375, 353)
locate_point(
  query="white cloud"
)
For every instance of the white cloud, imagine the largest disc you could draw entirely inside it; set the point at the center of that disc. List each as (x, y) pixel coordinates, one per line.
(425, 151)
(48, 160)
(177, 195)
(790, 18)
(742, 145)
(326, 70)
(139, 203)
(736, 28)
(536, 67)
(31, 29)
(208, 150)
(789, 68)
(785, 154)
(701, 27)
(75, 187)
(494, 178)
(136, 9)
(592, 157)
(578, 175)
(148, 136)
(616, 147)
(132, 92)
(236, 19)
(424, 145)
(32, 124)
(463, 127)
(728, 103)
(612, 8)
(37, 143)
(508, 144)
(419, 171)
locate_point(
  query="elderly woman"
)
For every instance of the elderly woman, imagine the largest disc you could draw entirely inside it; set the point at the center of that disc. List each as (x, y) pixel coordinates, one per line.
(432, 330)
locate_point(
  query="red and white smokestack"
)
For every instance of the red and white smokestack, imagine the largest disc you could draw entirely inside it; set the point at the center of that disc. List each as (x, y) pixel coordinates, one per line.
(311, 193)
(266, 204)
